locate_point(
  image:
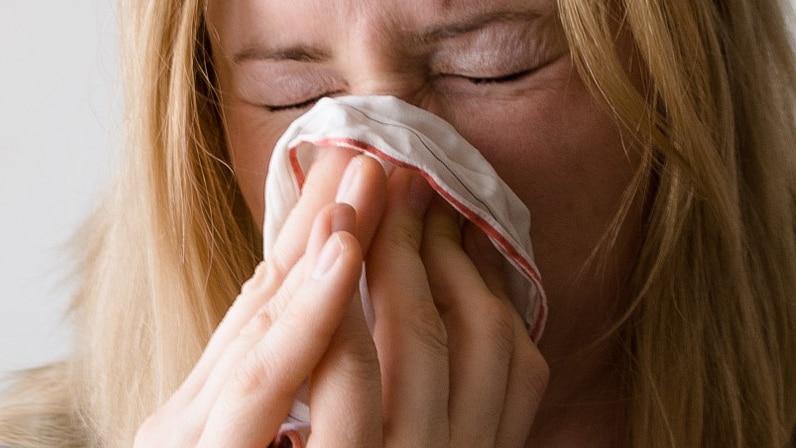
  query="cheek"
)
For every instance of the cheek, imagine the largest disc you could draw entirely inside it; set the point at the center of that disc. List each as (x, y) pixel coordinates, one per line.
(564, 158)
(251, 137)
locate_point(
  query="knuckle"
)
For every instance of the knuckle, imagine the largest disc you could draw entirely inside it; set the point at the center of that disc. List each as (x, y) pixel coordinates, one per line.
(443, 233)
(261, 321)
(534, 372)
(276, 267)
(253, 281)
(358, 362)
(536, 384)
(268, 276)
(255, 373)
(404, 234)
(161, 429)
(425, 324)
(497, 326)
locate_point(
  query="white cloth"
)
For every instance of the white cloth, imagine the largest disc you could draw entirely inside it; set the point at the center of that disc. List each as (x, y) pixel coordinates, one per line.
(399, 134)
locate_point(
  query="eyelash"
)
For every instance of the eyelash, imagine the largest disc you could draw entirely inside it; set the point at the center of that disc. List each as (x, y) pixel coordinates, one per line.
(295, 106)
(505, 79)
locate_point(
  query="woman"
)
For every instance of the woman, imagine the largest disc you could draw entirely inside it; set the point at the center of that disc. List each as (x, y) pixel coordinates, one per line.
(651, 141)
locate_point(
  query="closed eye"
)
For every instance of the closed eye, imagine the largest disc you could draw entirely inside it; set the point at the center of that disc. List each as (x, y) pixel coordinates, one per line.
(305, 104)
(294, 106)
(499, 79)
(505, 79)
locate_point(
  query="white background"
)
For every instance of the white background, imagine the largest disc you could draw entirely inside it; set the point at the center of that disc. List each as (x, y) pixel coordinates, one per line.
(60, 115)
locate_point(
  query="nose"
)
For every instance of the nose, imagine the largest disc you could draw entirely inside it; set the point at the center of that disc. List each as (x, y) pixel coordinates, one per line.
(372, 76)
(375, 65)
(368, 81)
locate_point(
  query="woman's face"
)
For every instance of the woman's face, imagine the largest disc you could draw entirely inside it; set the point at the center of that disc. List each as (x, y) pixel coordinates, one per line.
(498, 71)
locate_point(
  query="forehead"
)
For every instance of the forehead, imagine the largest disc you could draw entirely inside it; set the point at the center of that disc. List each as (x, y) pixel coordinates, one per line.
(242, 22)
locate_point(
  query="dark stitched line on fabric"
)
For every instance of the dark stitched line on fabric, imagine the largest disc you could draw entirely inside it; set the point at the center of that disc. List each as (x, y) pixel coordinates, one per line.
(413, 132)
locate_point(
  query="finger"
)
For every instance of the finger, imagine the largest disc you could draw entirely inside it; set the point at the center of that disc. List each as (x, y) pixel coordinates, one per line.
(527, 382)
(345, 391)
(408, 332)
(249, 299)
(528, 372)
(480, 331)
(489, 262)
(259, 394)
(334, 217)
(317, 192)
(338, 176)
(364, 187)
(346, 386)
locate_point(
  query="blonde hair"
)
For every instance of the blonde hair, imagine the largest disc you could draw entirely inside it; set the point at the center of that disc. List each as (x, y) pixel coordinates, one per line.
(709, 332)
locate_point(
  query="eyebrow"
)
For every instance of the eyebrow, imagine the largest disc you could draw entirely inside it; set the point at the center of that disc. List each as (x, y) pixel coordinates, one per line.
(307, 53)
(301, 53)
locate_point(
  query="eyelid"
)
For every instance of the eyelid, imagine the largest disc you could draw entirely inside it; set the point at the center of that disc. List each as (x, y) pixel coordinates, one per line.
(524, 47)
(502, 79)
(282, 108)
(511, 77)
(284, 85)
(298, 105)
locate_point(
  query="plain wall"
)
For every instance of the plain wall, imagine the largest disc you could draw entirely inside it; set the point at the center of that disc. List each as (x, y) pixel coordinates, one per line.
(60, 110)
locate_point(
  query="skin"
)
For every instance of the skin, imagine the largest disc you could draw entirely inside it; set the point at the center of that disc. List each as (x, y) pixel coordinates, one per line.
(449, 363)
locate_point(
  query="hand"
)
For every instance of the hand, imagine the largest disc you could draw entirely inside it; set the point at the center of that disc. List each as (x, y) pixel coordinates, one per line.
(450, 363)
(283, 321)
(457, 365)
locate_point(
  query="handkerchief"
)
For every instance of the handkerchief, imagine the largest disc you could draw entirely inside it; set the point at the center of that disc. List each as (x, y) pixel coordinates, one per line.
(399, 134)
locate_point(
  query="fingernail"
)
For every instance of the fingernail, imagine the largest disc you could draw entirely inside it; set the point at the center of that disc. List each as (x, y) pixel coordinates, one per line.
(349, 179)
(329, 254)
(344, 217)
(419, 194)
